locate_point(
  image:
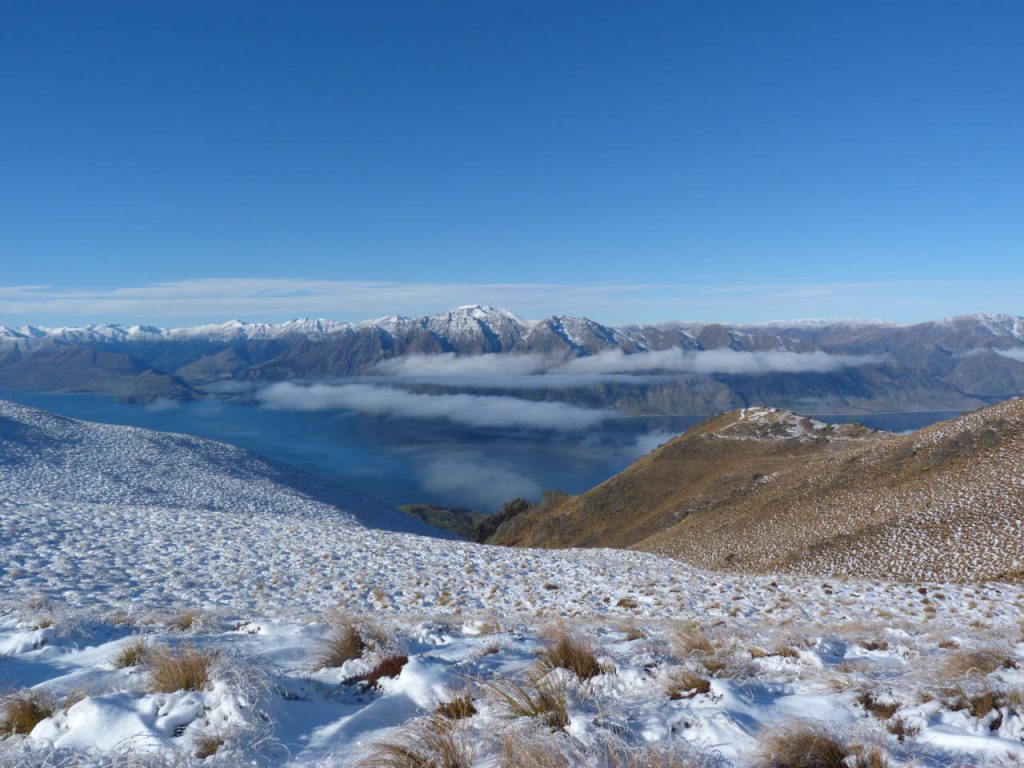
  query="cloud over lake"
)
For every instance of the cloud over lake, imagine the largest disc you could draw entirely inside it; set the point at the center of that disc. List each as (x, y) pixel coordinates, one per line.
(481, 411)
(533, 371)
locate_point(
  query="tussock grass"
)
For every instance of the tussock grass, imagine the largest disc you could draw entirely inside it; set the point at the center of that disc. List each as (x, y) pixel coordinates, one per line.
(562, 650)
(21, 712)
(688, 639)
(881, 710)
(186, 621)
(389, 666)
(430, 743)
(533, 750)
(344, 643)
(684, 684)
(181, 669)
(540, 697)
(208, 745)
(977, 662)
(457, 708)
(802, 745)
(131, 653)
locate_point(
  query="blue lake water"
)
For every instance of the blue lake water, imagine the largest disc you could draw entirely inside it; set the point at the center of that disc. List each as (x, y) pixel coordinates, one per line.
(403, 461)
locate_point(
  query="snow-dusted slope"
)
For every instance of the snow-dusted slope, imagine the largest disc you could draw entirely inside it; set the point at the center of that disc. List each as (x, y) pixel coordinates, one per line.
(106, 533)
(52, 459)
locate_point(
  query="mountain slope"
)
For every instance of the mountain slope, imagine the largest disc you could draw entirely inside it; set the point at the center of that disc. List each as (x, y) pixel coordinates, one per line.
(56, 459)
(125, 554)
(762, 490)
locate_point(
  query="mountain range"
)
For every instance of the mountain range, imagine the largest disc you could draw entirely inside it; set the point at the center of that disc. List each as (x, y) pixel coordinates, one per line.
(837, 366)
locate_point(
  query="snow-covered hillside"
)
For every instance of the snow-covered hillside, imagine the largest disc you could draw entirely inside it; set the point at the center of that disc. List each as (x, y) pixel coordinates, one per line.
(208, 554)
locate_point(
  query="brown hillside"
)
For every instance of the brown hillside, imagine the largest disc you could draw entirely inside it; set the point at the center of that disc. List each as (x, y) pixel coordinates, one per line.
(764, 490)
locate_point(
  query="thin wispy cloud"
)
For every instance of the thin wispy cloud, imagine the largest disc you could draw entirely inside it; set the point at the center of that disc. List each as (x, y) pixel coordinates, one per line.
(217, 299)
(199, 301)
(479, 411)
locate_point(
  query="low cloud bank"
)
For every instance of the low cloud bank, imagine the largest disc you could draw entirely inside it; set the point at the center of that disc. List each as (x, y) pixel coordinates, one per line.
(535, 370)
(712, 361)
(1013, 354)
(480, 411)
(481, 481)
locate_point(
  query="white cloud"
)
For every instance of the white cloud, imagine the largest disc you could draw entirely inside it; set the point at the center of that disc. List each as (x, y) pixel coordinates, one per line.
(470, 410)
(648, 441)
(481, 481)
(190, 302)
(713, 361)
(1014, 354)
(209, 300)
(539, 371)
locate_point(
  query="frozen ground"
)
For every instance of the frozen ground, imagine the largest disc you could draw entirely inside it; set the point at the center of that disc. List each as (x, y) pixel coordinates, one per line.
(109, 533)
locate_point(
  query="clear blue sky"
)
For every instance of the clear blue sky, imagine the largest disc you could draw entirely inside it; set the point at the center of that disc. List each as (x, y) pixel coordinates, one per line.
(718, 160)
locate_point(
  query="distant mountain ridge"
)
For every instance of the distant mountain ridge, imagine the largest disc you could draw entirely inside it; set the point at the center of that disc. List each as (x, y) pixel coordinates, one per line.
(956, 363)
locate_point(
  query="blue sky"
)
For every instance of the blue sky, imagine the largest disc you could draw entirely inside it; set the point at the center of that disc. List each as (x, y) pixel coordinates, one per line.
(190, 162)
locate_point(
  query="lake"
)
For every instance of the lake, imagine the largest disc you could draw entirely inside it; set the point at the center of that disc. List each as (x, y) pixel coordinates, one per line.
(402, 461)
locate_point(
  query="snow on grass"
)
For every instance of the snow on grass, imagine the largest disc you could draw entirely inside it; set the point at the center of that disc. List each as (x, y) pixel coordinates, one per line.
(122, 548)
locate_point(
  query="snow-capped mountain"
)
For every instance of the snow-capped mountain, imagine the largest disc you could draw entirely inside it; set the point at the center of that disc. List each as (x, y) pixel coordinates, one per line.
(955, 363)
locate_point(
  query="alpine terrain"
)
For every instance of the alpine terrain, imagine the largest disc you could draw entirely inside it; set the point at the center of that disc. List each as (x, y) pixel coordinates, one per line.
(166, 600)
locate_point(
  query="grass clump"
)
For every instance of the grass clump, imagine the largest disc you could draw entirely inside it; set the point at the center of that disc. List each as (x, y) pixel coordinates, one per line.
(564, 651)
(690, 639)
(685, 684)
(457, 708)
(807, 745)
(208, 745)
(131, 653)
(389, 666)
(345, 643)
(430, 743)
(978, 662)
(876, 707)
(182, 669)
(23, 711)
(539, 698)
(186, 620)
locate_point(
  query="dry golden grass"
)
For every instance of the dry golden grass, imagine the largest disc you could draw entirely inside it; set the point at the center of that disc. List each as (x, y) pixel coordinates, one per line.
(688, 639)
(343, 644)
(186, 620)
(977, 662)
(802, 745)
(131, 653)
(180, 669)
(430, 743)
(878, 709)
(21, 712)
(533, 750)
(540, 698)
(207, 745)
(457, 708)
(684, 684)
(389, 666)
(562, 650)
(633, 632)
